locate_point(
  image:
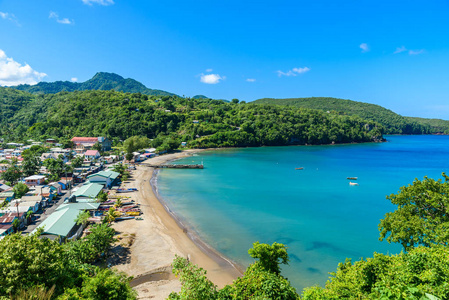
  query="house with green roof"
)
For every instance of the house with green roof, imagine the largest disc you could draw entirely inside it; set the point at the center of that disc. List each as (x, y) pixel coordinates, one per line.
(106, 178)
(88, 192)
(60, 224)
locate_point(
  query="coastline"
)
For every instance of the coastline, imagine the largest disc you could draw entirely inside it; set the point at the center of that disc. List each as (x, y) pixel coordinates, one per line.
(146, 248)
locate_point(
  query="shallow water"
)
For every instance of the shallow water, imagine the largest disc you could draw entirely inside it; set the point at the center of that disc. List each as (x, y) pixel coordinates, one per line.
(255, 194)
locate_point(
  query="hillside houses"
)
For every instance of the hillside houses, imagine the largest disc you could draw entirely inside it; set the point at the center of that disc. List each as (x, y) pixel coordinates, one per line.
(89, 142)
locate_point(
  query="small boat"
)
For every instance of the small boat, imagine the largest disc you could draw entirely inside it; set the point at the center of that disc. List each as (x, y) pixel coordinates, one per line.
(353, 183)
(352, 178)
(299, 168)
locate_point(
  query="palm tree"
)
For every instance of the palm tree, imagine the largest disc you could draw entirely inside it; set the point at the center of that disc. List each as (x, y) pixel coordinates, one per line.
(111, 215)
(118, 203)
(83, 218)
(28, 216)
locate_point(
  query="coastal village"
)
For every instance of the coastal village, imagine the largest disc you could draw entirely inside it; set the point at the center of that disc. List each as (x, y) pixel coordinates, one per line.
(53, 204)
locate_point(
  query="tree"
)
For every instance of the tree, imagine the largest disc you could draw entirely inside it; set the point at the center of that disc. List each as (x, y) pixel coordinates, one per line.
(129, 156)
(16, 224)
(119, 168)
(135, 143)
(102, 196)
(83, 218)
(270, 256)
(105, 284)
(31, 163)
(20, 189)
(422, 273)
(23, 260)
(258, 282)
(421, 216)
(12, 174)
(77, 161)
(110, 215)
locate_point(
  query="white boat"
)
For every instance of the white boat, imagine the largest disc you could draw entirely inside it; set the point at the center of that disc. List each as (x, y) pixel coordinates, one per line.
(353, 183)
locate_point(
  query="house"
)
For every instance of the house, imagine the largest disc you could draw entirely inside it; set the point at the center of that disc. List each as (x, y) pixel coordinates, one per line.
(57, 186)
(88, 142)
(108, 159)
(61, 224)
(32, 202)
(88, 192)
(6, 229)
(92, 155)
(6, 196)
(66, 182)
(50, 141)
(106, 178)
(4, 188)
(34, 180)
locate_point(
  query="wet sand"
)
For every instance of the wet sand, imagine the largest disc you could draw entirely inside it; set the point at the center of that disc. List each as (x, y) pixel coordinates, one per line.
(158, 237)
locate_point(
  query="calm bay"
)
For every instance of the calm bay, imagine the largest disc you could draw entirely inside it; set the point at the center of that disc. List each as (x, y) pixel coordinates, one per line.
(257, 194)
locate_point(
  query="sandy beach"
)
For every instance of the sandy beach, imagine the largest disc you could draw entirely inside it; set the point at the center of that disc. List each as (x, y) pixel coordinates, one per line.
(146, 248)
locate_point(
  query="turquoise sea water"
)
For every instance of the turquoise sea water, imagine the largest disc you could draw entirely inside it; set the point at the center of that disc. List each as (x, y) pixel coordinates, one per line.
(255, 194)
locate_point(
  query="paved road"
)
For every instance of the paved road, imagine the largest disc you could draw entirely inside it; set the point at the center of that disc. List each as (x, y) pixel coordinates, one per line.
(40, 217)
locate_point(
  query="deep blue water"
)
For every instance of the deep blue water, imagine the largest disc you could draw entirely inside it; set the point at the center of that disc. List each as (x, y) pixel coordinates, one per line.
(255, 194)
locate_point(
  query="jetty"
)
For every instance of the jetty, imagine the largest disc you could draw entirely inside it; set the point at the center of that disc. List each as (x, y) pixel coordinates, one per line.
(173, 166)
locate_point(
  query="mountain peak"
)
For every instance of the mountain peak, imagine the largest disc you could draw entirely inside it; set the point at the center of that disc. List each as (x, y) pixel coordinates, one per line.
(103, 81)
(107, 76)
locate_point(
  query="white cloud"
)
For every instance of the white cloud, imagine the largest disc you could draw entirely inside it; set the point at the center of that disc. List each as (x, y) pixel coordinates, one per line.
(410, 52)
(14, 73)
(9, 17)
(209, 70)
(416, 52)
(400, 49)
(364, 47)
(55, 16)
(293, 72)
(251, 80)
(73, 79)
(211, 78)
(100, 2)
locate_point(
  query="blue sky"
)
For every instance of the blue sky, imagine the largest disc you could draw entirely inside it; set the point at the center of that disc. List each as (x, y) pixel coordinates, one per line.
(391, 53)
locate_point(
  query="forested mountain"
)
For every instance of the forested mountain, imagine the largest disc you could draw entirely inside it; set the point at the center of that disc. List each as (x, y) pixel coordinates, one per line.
(101, 81)
(393, 123)
(171, 119)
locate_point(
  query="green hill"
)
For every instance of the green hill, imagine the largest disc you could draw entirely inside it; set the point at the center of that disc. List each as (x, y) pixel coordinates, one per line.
(437, 125)
(170, 120)
(393, 123)
(101, 81)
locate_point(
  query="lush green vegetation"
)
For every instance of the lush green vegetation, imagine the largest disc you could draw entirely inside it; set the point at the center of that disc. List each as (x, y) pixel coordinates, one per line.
(101, 81)
(262, 279)
(170, 120)
(29, 263)
(392, 122)
(437, 125)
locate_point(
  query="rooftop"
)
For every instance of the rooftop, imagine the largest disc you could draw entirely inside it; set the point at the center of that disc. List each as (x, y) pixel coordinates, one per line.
(59, 222)
(89, 190)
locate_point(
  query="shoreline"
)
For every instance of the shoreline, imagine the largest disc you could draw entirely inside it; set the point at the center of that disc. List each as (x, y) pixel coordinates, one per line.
(146, 248)
(187, 228)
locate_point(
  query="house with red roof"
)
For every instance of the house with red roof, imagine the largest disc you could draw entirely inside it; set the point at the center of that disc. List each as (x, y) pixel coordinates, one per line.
(92, 155)
(88, 142)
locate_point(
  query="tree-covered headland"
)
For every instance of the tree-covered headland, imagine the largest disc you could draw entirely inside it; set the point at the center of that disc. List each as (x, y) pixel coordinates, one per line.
(170, 120)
